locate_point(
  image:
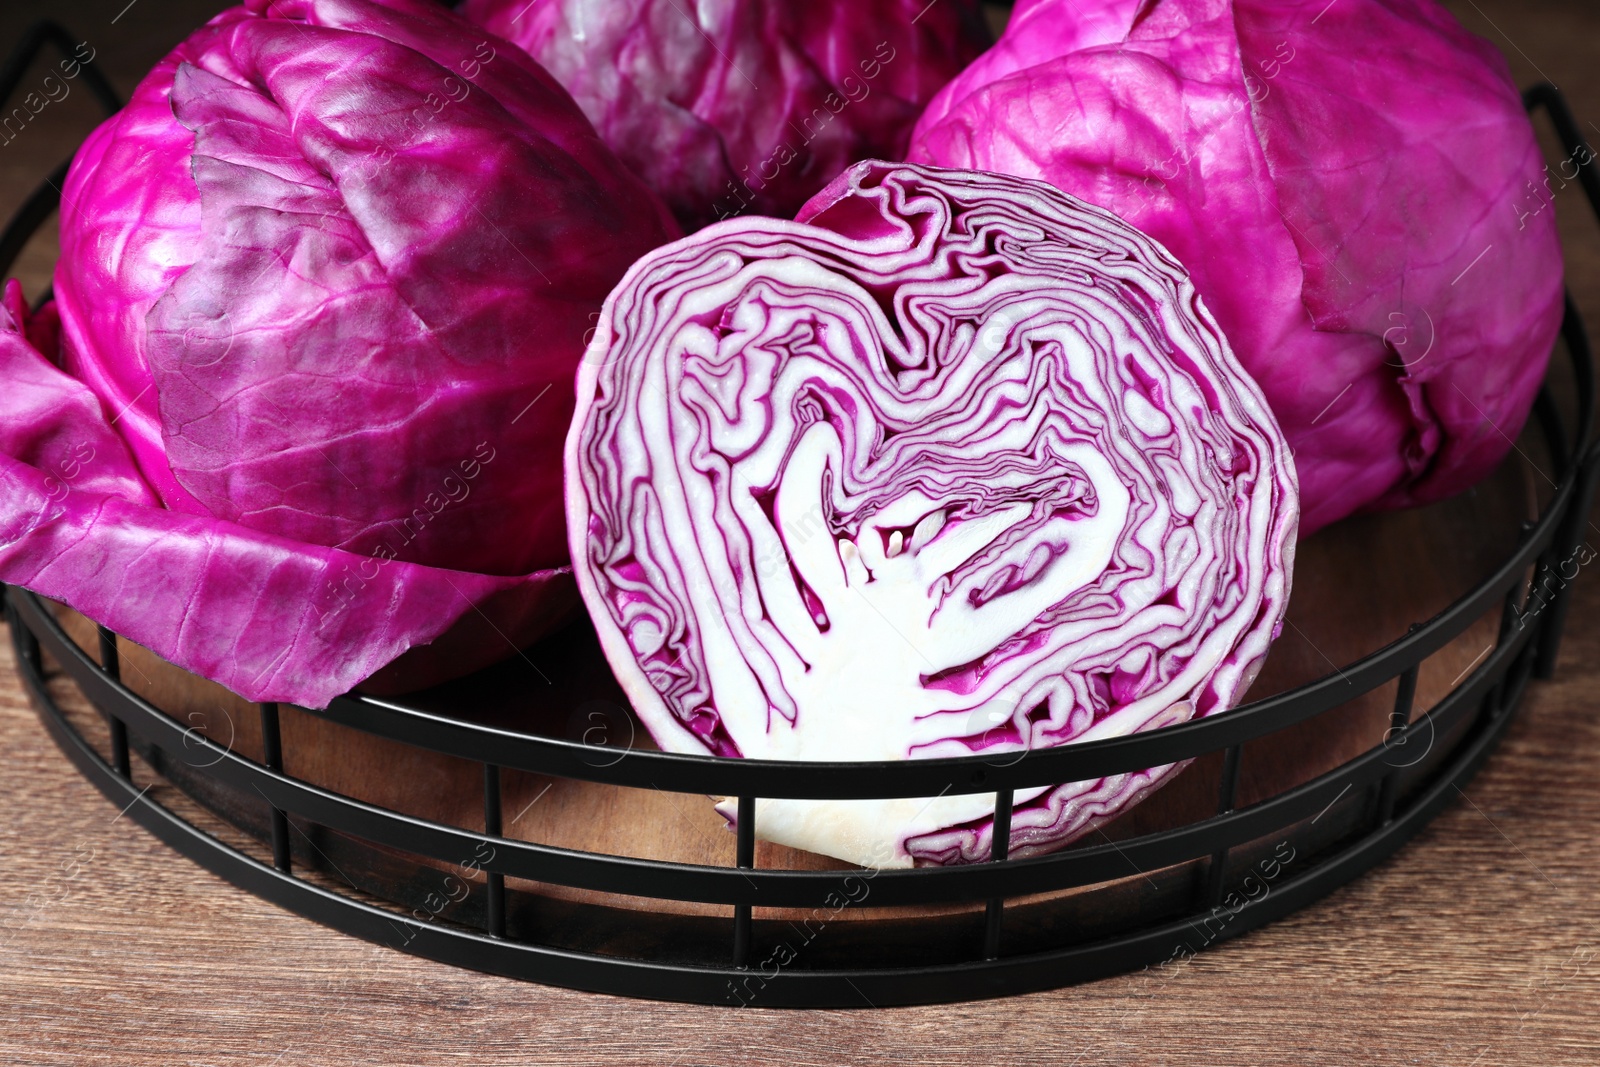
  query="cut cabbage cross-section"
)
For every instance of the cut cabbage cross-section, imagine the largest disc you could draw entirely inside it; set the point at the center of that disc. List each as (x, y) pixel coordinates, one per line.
(954, 464)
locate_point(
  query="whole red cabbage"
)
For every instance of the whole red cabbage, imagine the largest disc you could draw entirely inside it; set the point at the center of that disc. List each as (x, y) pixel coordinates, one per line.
(328, 276)
(1354, 188)
(956, 463)
(729, 107)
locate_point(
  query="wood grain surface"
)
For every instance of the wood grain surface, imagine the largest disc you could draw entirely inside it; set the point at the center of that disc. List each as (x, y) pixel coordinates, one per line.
(1479, 943)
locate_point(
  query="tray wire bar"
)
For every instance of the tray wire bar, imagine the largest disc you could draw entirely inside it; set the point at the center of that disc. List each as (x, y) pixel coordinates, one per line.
(111, 663)
(1484, 701)
(999, 850)
(42, 203)
(1395, 737)
(1227, 796)
(745, 859)
(496, 881)
(272, 759)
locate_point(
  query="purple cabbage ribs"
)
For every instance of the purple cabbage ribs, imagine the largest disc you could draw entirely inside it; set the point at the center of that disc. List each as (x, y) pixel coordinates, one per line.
(1354, 188)
(730, 107)
(324, 285)
(955, 463)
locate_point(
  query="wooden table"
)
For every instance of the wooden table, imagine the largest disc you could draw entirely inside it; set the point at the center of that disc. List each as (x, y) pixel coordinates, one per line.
(1479, 943)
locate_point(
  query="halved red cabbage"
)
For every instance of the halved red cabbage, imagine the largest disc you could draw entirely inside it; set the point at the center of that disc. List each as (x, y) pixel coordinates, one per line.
(956, 463)
(729, 107)
(1354, 188)
(329, 276)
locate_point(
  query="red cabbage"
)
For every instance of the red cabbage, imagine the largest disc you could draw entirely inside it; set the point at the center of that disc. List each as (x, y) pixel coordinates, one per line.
(955, 463)
(1354, 188)
(328, 276)
(728, 107)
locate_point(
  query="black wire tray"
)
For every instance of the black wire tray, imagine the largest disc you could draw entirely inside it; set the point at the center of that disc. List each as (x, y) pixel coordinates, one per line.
(982, 930)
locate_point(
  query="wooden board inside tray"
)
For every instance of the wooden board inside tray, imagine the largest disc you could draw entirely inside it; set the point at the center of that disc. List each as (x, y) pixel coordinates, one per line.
(1357, 586)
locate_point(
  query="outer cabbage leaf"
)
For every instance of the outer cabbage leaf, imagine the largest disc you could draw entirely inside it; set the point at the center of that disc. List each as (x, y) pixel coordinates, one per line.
(1354, 188)
(734, 106)
(329, 276)
(955, 463)
(270, 618)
